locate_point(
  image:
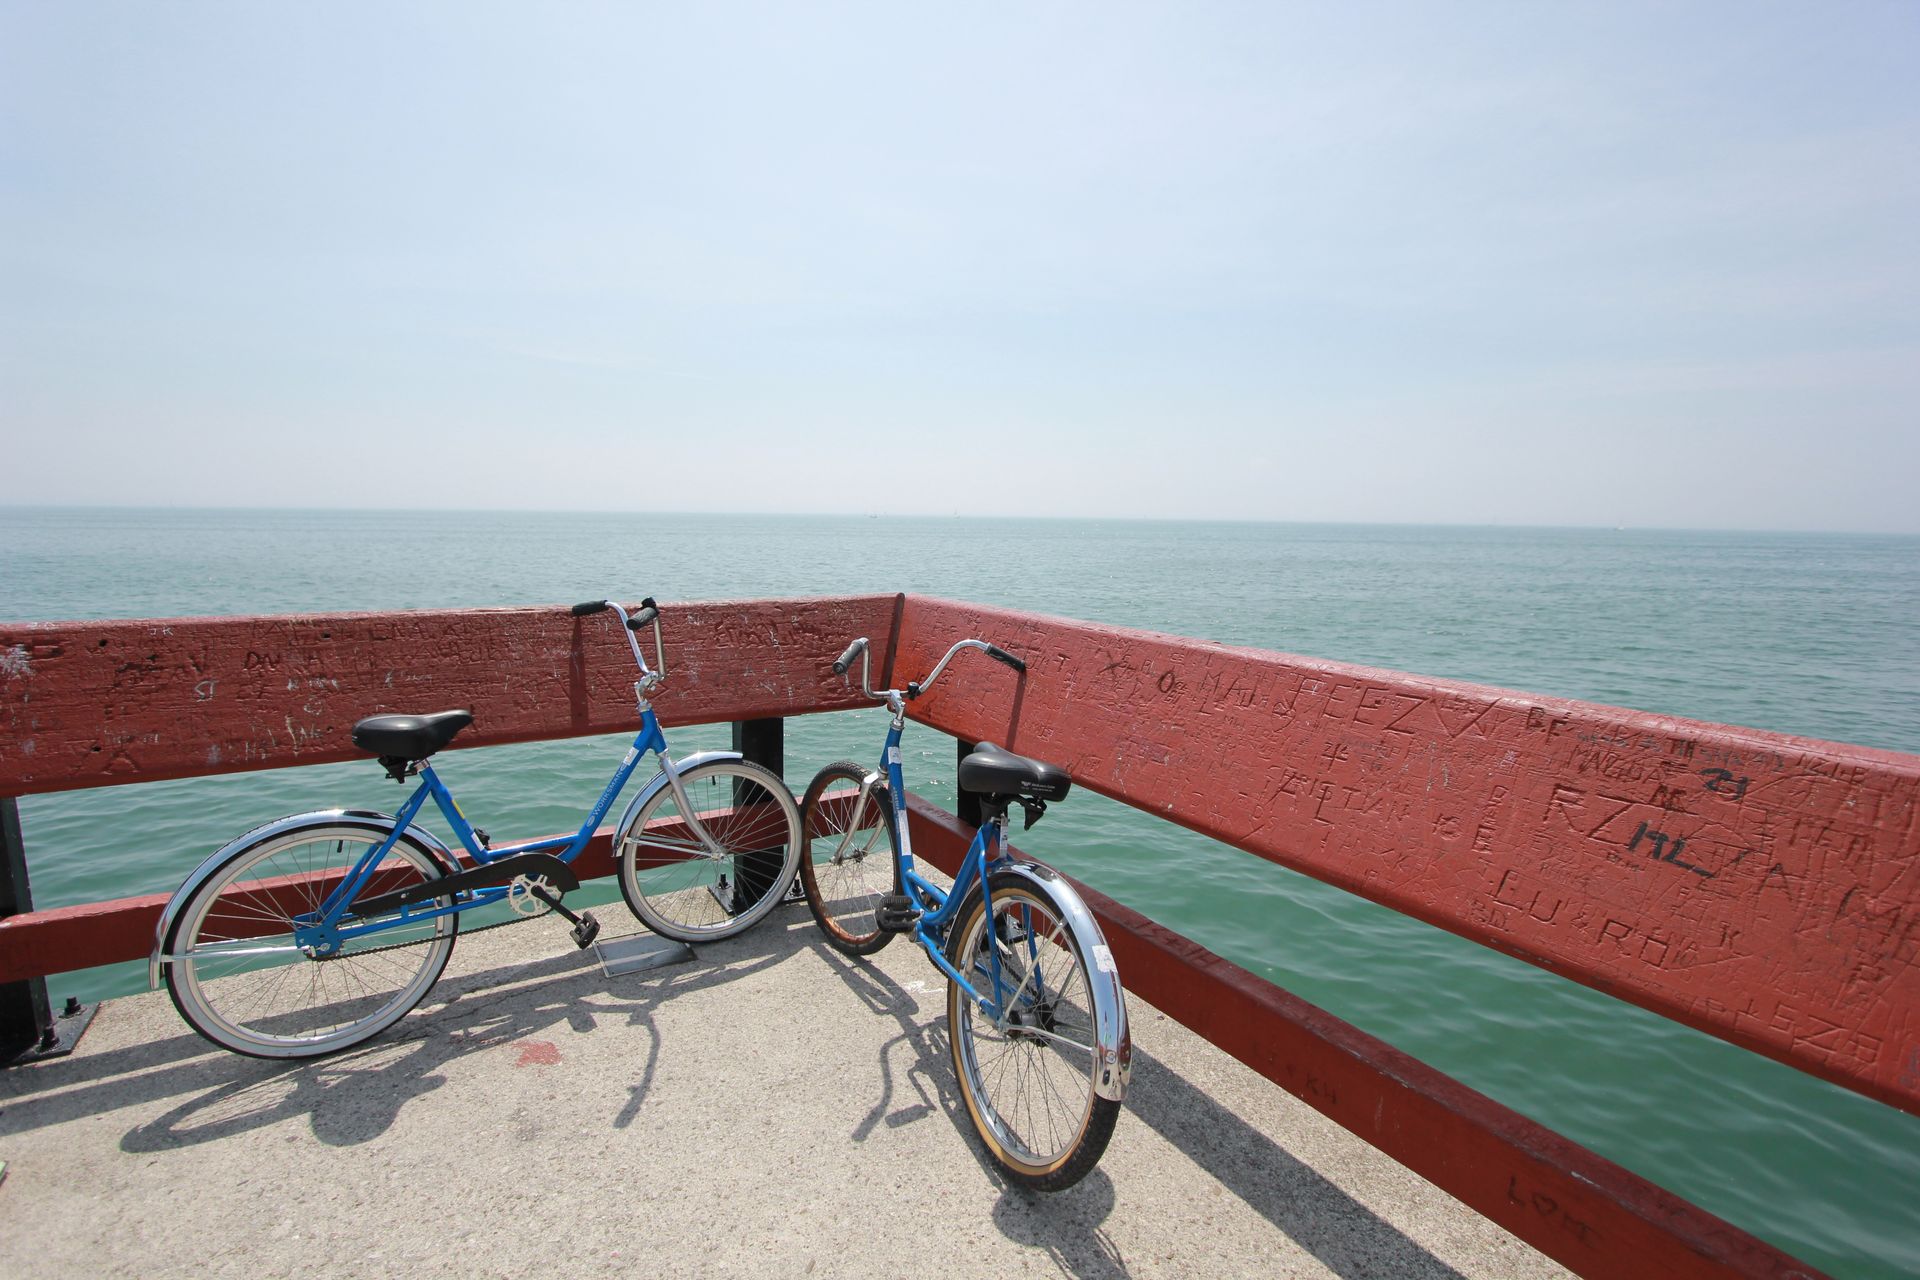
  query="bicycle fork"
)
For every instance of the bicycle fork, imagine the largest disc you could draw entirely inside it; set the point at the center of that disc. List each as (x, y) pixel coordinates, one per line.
(1112, 1044)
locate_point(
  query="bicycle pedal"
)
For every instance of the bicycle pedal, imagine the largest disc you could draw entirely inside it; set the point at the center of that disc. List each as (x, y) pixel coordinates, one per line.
(896, 914)
(585, 931)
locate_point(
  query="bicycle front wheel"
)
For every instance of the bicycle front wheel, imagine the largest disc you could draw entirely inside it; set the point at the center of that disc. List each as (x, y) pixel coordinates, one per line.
(849, 864)
(239, 978)
(684, 888)
(1027, 1077)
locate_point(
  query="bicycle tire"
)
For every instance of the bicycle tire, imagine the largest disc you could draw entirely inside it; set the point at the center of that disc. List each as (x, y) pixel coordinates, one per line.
(678, 888)
(845, 880)
(1030, 1098)
(239, 980)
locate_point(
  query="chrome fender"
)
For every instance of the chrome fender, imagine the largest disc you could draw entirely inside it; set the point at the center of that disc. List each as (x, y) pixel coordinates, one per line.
(1112, 1045)
(279, 827)
(657, 783)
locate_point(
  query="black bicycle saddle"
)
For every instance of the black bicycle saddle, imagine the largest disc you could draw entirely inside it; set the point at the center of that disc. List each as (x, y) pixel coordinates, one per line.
(409, 737)
(995, 771)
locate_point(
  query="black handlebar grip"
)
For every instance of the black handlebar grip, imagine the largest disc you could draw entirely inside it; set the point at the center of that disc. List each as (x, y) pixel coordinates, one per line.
(644, 616)
(995, 652)
(591, 606)
(845, 660)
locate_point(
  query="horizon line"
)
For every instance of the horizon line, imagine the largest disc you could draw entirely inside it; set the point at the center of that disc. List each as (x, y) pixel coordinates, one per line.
(427, 512)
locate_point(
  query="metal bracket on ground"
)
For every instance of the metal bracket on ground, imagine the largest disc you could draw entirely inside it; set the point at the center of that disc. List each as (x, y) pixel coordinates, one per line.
(637, 952)
(59, 1038)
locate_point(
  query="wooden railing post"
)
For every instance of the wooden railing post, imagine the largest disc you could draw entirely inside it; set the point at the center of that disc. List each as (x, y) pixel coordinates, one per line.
(26, 1020)
(762, 742)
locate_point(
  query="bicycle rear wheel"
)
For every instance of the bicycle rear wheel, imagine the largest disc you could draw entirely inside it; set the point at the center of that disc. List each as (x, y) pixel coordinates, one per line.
(238, 977)
(849, 864)
(1028, 1078)
(684, 890)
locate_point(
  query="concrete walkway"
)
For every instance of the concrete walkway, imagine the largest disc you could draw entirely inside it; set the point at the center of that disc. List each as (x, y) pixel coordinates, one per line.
(768, 1109)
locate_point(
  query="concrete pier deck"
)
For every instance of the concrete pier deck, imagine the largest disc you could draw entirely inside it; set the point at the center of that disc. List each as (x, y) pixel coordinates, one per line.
(769, 1108)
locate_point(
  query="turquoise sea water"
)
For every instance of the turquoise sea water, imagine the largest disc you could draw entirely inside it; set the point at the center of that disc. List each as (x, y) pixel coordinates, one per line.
(1806, 634)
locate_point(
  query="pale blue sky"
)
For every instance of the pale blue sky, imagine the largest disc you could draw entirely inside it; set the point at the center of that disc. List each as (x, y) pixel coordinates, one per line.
(1490, 263)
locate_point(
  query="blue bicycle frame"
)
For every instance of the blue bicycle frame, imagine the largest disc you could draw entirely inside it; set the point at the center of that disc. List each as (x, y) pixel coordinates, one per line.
(322, 929)
(992, 963)
(940, 907)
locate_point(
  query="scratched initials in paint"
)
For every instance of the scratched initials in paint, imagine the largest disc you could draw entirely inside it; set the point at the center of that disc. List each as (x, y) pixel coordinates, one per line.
(1723, 782)
(1666, 849)
(1552, 1210)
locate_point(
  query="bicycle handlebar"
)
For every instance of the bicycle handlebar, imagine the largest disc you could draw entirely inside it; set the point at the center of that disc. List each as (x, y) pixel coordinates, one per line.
(845, 660)
(859, 649)
(648, 611)
(648, 615)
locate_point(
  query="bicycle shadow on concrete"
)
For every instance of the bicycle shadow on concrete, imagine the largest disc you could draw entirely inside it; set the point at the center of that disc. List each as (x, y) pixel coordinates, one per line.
(1066, 1224)
(89, 1083)
(357, 1095)
(1344, 1235)
(927, 1042)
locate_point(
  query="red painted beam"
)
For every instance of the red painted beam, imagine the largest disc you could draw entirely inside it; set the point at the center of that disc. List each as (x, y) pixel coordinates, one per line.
(1763, 888)
(87, 704)
(1576, 1207)
(61, 939)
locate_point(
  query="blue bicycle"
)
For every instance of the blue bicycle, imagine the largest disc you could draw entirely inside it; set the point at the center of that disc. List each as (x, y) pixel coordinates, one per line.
(1037, 1022)
(315, 932)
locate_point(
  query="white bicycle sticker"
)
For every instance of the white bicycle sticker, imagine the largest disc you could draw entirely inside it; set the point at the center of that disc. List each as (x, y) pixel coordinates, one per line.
(1103, 959)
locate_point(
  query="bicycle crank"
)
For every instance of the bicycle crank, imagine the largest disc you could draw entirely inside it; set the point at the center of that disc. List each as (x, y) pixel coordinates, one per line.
(585, 927)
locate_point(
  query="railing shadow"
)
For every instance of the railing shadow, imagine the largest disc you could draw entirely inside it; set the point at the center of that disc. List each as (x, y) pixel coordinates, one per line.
(1346, 1236)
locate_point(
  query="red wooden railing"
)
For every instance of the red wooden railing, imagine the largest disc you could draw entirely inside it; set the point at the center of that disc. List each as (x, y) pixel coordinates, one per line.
(96, 703)
(88, 704)
(1762, 888)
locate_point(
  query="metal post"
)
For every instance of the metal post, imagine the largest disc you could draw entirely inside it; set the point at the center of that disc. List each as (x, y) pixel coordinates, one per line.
(762, 742)
(966, 805)
(26, 1020)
